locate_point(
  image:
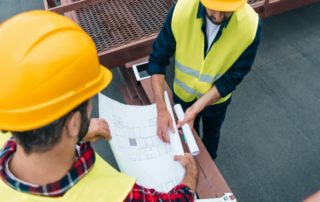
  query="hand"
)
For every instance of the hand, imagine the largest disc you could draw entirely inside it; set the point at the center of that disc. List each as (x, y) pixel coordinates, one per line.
(164, 121)
(191, 175)
(189, 117)
(314, 198)
(98, 128)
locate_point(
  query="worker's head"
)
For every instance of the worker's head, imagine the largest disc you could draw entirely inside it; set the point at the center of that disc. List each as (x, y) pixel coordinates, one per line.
(218, 11)
(49, 70)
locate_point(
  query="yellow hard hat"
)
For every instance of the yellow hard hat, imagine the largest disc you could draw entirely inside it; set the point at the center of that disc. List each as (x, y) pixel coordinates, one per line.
(223, 5)
(48, 66)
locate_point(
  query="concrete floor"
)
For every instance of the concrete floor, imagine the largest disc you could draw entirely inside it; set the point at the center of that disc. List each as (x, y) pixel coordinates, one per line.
(10, 8)
(269, 149)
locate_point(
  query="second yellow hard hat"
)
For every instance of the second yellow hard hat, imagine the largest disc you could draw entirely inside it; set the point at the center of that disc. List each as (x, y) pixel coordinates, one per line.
(223, 5)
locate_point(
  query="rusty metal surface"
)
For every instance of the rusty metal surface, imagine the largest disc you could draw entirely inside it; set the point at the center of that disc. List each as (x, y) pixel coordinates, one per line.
(114, 23)
(124, 30)
(254, 1)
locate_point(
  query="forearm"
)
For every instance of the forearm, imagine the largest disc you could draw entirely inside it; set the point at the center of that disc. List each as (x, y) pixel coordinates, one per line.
(207, 99)
(191, 180)
(158, 91)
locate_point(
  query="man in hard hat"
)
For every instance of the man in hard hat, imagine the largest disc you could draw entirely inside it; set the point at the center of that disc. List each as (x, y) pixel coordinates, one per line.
(214, 43)
(49, 72)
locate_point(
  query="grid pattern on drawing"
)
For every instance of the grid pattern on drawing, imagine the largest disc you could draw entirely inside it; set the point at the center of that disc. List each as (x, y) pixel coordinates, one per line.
(136, 144)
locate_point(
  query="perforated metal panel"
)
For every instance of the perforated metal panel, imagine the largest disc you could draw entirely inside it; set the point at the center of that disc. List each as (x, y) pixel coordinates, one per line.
(114, 23)
(117, 22)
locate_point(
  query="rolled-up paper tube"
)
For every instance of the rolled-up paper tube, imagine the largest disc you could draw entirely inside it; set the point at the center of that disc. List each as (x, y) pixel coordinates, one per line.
(191, 142)
(174, 137)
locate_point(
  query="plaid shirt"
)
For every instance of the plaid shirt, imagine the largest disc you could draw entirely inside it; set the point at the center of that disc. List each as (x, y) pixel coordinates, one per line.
(86, 159)
(179, 193)
(84, 163)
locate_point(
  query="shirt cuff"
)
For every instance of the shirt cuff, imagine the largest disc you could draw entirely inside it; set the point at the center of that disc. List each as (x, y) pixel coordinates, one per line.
(154, 68)
(181, 186)
(224, 87)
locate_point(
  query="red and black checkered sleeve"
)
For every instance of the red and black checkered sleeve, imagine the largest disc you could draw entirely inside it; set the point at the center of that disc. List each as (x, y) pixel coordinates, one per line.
(180, 193)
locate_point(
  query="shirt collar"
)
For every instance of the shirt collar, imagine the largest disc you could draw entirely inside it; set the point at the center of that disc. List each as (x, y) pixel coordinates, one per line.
(79, 169)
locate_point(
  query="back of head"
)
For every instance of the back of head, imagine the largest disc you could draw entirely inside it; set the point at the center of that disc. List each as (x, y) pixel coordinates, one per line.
(48, 66)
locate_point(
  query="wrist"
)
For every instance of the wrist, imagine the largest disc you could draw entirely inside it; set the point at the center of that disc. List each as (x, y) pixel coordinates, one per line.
(161, 106)
(190, 182)
(196, 108)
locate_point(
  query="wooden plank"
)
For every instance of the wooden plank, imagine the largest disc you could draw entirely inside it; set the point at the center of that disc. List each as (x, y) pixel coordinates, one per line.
(127, 99)
(74, 6)
(215, 180)
(204, 188)
(133, 62)
(130, 88)
(119, 56)
(281, 6)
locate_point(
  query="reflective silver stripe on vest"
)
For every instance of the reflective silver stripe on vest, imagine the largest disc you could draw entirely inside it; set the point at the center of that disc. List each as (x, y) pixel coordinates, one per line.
(206, 78)
(187, 70)
(203, 78)
(184, 86)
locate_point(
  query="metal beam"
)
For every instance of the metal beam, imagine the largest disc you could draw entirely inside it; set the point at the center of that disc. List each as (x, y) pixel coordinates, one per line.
(74, 6)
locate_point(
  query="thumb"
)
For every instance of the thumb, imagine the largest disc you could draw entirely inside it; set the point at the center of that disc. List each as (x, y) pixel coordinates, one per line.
(180, 123)
(181, 159)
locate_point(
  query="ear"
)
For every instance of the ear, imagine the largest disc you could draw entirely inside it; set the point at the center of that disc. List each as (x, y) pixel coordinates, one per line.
(73, 124)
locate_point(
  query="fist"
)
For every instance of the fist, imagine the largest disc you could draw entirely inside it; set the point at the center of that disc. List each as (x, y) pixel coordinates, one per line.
(98, 128)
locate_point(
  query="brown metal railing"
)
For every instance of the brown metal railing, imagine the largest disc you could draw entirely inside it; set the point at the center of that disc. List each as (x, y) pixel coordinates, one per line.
(123, 30)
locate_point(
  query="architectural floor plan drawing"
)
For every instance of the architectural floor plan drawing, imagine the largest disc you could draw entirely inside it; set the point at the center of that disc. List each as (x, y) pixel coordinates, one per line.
(137, 149)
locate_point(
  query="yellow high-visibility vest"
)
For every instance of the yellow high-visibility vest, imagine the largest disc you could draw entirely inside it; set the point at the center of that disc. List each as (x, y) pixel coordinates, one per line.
(194, 73)
(102, 184)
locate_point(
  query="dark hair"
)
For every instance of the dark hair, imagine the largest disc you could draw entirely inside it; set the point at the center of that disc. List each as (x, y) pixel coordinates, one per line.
(43, 139)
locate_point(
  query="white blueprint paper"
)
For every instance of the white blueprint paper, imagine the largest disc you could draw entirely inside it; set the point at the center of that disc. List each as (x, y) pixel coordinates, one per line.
(137, 149)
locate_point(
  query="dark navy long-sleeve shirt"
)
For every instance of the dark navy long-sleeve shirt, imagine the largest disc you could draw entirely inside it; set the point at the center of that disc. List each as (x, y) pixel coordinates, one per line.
(165, 45)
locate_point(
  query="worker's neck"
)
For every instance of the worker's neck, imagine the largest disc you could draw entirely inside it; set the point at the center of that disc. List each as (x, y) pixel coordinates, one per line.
(44, 168)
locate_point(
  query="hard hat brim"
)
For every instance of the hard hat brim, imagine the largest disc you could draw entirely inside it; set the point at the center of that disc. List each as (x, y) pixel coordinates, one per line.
(33, 118)
(222, 5)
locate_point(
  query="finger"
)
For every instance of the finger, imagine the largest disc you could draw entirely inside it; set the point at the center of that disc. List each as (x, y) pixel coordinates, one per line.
(104, 129)
(99, 121)
(190, 158)
(159, 133)
(94, 139)
(109, 137)
(177, 157)
(181, 159)
(103, 123)
(166, 137)
(181, 123)
(191, 123)
(188, 155)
